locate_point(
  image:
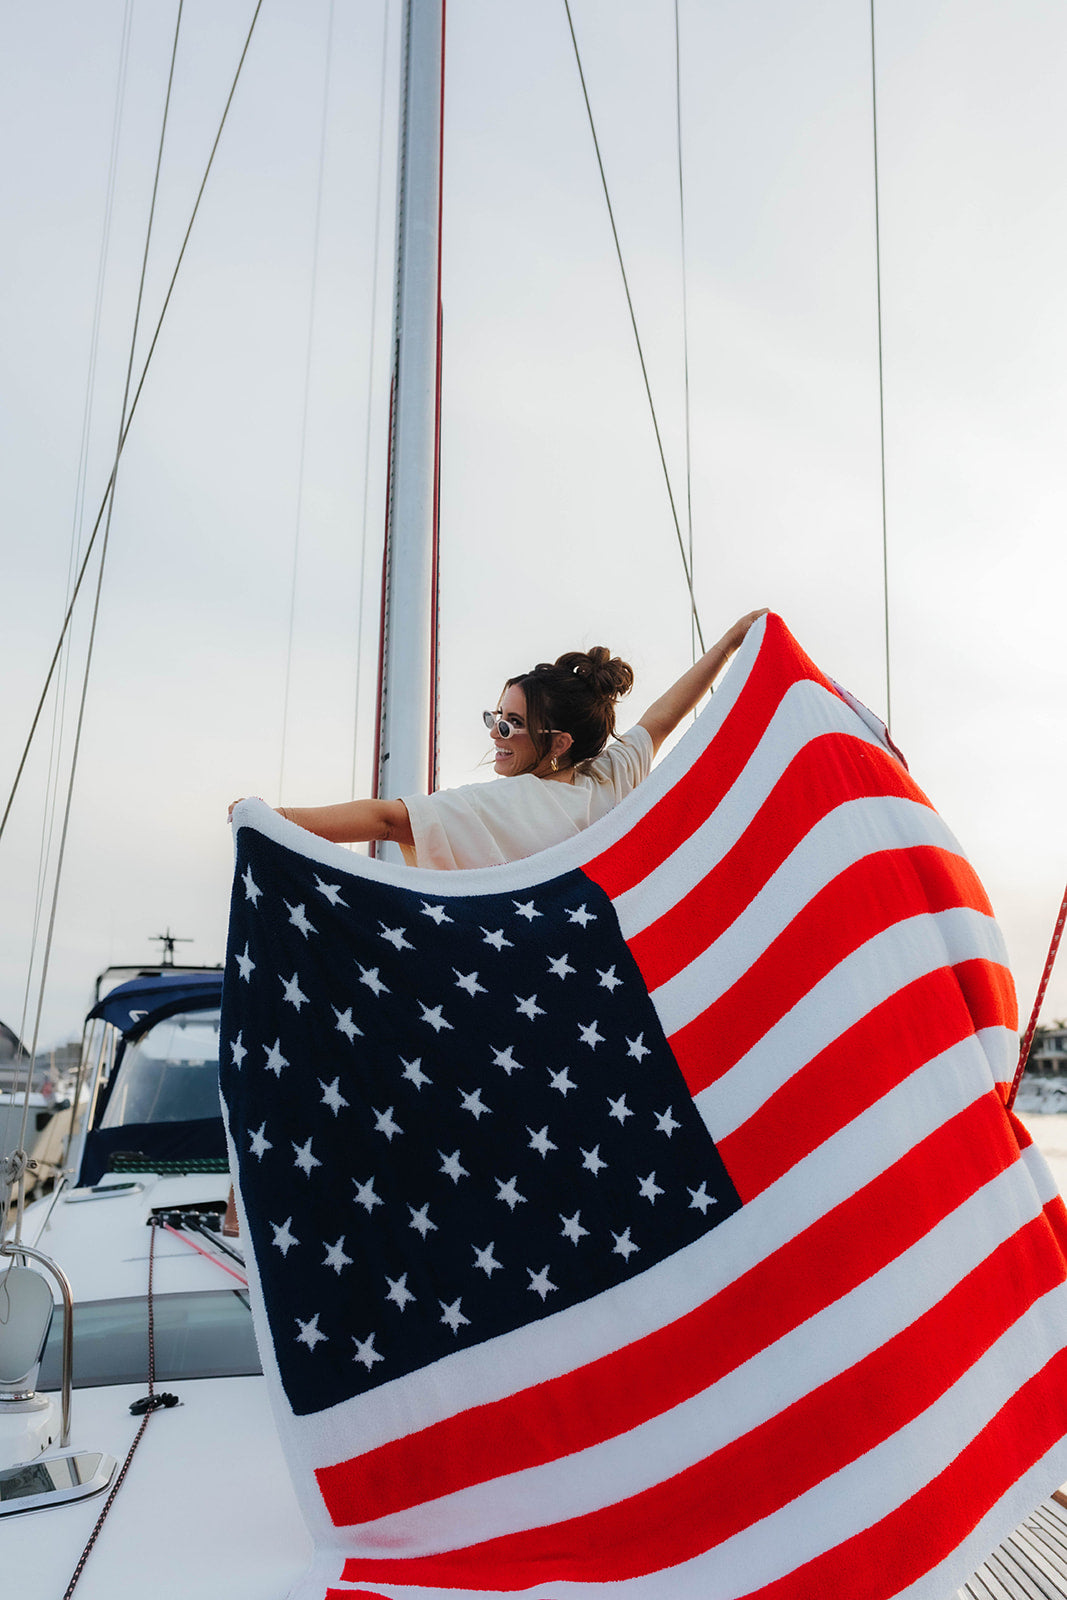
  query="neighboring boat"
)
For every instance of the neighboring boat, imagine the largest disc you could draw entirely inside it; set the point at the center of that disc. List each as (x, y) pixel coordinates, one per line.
(150, 1155)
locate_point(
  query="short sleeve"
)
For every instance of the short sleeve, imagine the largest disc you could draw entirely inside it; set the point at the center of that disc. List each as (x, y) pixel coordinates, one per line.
(625, 763)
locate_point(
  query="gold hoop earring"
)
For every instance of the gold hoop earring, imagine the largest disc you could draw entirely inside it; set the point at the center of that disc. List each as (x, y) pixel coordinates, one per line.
(555, 764)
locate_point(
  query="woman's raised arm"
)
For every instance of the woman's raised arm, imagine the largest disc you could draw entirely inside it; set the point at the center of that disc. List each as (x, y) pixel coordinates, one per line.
(353, 821)
(664, 715)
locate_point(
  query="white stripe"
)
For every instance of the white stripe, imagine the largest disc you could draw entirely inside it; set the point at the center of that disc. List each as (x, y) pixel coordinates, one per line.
(572, 1338)
(806, 712)
(809, 1356)
(863, 980)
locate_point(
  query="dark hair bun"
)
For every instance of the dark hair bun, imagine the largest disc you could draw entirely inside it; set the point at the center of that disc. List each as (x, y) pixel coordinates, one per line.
(608, 676)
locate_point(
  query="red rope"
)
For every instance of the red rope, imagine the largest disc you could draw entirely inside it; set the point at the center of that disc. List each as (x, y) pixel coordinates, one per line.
(1028, 1038)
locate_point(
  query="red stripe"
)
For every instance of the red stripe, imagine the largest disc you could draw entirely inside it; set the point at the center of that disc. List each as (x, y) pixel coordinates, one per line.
(911, 1027)
(699, 1508)
(831, 771)
(863, 901)
(619, 1391)
(779, 664)
(886, 1558)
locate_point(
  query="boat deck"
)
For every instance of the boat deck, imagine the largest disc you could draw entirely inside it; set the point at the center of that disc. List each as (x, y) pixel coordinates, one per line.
(1031, 1565)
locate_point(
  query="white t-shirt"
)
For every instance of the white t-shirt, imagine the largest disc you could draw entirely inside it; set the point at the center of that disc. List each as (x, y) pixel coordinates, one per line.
(486, 824)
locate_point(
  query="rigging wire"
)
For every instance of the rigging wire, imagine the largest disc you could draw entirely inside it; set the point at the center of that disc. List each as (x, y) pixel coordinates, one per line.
(65, 828)
(313, 300)
(881, 374)
(49, 810)
(375, 249)
(637, 336)
(685, 317)
(108, 489)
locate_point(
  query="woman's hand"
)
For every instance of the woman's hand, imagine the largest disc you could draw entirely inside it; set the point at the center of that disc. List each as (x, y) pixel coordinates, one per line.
(229, 814)
(664, 715)
(735, 637)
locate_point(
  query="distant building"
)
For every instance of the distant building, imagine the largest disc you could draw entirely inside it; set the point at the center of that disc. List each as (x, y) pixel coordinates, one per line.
(1048, 1053)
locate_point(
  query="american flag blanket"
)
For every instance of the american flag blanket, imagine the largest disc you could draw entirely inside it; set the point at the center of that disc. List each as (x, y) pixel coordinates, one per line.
(645, 1217)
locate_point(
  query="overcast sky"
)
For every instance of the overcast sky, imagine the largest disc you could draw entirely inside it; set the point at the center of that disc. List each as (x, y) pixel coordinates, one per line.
(246, 459)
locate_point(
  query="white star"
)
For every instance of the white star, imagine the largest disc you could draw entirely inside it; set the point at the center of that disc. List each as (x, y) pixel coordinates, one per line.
(650, 1188)
(399, 1293)
(282, 1236)
(335, 1256)
(487, 1260)
(309, 1332)
(260, 1143)
(237, 1050)
(509, 1194)
(365, 1351)
(436, 912)
(371, 979)
(246, 964)
(413, 1072)
(434, 1018)
(572, 1227)
(384, 1123)
(453, 1317)
(700, 1200)
(304, 1159)
(420, 1221)
(561, 1080)
(474, 1103)
(609, 981)
(292, 992)
(332, 1096)
(365, 1195)
(451, 1166)
(395, 937)
(469, 981)
(332, 891)
(540, 1283)
(497, 939)
(619, 1109)
(624, 1245)
(581, 916)
(252, 889)
(560, 966)
(638, 1048)
(526, 909)
(529, 1008)
(505, 1059)
(591, 1160)
(665, 1122)
(299, 919)
(275, 1060)
(540, 1141)
(590, 1035)
(345, 1024)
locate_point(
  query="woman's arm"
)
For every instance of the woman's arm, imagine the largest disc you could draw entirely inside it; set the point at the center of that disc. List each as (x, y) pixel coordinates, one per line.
(353, 821)
(664, 715)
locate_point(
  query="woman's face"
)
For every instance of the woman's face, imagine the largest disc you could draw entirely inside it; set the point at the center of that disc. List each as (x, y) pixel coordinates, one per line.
(515, 754)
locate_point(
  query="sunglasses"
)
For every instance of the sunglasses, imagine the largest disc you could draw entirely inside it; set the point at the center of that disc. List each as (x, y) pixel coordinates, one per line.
(503, 726)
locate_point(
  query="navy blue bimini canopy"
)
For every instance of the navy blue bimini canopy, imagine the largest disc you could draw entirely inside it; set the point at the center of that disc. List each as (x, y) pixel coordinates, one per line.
(135, 1006)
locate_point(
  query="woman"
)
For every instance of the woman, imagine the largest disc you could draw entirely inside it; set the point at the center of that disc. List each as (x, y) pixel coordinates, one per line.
(550, 735)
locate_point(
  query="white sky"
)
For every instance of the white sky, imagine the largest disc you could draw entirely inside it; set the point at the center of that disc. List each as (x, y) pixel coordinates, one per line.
(555, 526)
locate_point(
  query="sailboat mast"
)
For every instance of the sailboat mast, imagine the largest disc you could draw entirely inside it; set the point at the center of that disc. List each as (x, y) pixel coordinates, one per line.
(407, 712)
